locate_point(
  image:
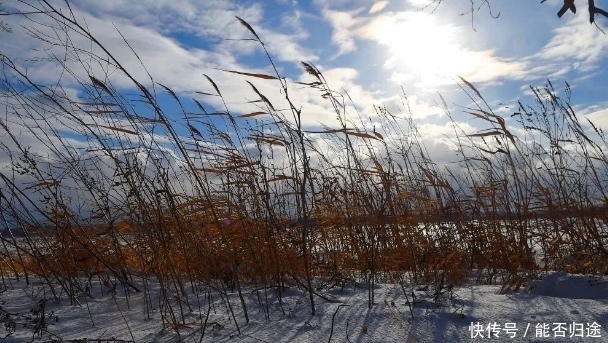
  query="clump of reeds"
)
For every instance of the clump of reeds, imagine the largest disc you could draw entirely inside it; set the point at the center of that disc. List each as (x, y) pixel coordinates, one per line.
(186, 202)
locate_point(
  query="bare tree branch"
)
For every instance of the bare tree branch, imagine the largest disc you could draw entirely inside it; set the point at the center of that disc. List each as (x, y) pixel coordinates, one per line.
(593, 10)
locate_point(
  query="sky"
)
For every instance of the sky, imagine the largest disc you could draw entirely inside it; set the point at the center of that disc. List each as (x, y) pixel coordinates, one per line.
(375, 51)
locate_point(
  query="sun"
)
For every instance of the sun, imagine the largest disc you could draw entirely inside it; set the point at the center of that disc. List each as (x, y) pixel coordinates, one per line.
(422, 49)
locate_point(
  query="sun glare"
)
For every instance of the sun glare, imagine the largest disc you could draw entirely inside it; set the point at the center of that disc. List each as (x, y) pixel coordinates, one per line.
(421, 49)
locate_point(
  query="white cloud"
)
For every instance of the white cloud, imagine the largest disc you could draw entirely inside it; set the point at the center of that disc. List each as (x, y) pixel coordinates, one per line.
(378, 6)
(597, 114)
(203, 18)
(168, 61)
(421, 3)
(284, 47)
(343, 24)
(576, 43)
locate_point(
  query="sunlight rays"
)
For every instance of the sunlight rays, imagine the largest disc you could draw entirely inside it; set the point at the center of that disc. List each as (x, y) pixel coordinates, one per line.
(428, 53)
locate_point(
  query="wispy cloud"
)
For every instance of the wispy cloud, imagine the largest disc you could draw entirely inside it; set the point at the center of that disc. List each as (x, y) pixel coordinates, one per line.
(343, 24)
(202, 18)
(575, 44)
(378, 6)
(597, 114)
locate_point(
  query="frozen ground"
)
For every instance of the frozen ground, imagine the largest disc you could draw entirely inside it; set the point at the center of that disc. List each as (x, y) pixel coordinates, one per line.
(466, 314)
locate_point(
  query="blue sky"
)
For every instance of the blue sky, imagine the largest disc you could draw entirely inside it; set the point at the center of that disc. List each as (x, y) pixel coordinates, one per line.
(370, 49)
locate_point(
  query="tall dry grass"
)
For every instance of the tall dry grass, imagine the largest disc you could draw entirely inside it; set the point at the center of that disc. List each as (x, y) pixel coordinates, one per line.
(225, 199)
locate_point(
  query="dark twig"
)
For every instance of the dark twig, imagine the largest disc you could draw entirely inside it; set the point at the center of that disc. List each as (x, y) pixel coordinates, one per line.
(595, 10)
(332, 321)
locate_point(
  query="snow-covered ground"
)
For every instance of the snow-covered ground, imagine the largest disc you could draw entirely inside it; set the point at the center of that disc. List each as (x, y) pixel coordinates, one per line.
(559, 307)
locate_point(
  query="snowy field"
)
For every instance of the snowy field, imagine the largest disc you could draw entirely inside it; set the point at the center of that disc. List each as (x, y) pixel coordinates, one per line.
(559, 307)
